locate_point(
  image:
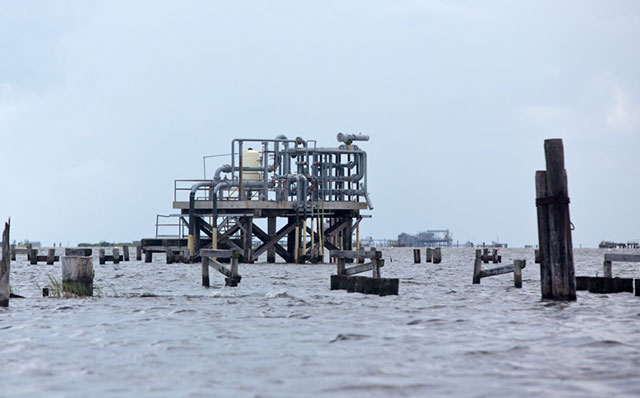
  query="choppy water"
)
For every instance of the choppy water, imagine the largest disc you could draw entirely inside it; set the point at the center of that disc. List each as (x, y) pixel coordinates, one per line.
(282, 332)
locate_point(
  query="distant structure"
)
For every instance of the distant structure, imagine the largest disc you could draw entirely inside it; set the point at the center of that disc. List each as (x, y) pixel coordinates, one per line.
(434, 237)
(613, 245)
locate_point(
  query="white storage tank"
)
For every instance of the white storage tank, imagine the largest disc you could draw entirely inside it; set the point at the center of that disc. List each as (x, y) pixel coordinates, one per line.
(250, 158)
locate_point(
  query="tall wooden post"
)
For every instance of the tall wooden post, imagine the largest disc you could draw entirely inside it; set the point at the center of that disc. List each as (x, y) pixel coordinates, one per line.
(557, 273)
(138, 252)
(125, 252)
(296, 245)
(5, 267)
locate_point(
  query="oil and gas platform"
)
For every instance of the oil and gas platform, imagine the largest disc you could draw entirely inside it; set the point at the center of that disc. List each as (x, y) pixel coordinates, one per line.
(289, 196)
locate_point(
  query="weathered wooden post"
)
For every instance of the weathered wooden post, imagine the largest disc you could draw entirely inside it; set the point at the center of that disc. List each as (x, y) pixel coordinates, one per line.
(33, 256)
(205, 271)
(429, 254)
(637, 286)
(125, 251)
(148, 256)
(233, 280)
(477, 267)
(169, 255)
(115, 252)
(607, 269)
(29, 248)
(416, 256)
(557, 273)
(536, 255)
(13, 252)
(518, 265)
(77, 275)
(5, 268)
(138, 252)
(437, 255)
(101, 256)
(51, 256)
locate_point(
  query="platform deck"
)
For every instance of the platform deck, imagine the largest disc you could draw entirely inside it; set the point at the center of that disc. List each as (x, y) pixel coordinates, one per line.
(242, 205)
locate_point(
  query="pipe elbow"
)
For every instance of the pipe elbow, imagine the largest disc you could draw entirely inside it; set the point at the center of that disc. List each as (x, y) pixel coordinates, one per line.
(226, 168)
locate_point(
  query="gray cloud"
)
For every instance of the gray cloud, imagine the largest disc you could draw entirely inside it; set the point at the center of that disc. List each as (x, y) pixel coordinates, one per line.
(103, 104)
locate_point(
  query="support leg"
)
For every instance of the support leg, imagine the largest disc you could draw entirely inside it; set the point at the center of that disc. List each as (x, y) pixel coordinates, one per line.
(271, 230)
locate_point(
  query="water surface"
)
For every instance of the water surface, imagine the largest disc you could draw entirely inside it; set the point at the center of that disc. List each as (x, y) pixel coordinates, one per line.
(155, 331)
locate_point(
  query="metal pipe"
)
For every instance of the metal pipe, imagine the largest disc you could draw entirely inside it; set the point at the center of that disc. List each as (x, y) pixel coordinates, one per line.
(349, 138)
(225, 168)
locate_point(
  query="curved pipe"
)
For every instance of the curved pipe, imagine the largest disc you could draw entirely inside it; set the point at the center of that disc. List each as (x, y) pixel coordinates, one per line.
(225, 168)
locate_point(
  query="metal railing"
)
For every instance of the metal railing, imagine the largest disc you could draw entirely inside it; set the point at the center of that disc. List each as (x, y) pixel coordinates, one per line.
(181, 225)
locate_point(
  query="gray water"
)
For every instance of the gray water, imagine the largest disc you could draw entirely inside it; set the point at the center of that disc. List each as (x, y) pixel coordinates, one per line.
(155, 331)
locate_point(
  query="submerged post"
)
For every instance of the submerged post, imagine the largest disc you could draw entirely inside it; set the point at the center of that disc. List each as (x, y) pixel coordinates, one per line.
(429, 254)
(557, 274)
(116, 255)
(5, 267)
(125, 252)
(416, 256)
(138, 252)
(77, 275)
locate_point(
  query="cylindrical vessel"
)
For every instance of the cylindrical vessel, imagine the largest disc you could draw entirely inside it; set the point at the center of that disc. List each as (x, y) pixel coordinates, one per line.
(250, 158)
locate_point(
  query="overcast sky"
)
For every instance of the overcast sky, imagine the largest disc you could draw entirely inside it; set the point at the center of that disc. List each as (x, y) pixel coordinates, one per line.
(104, 103)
